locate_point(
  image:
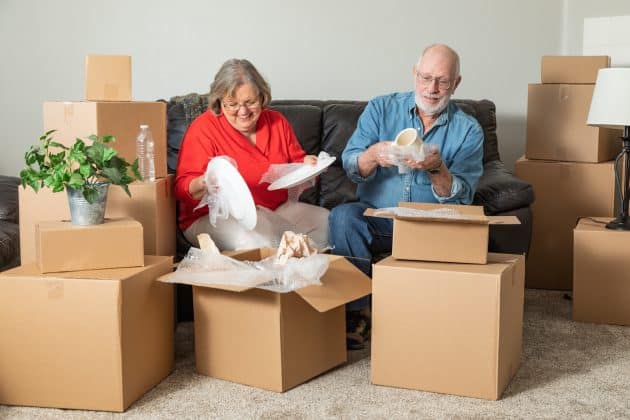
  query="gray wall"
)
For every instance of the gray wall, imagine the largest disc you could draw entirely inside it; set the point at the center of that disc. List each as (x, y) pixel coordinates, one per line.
(327, 49)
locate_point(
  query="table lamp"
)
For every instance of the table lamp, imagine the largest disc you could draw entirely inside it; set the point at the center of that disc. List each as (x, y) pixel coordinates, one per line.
(610, 108)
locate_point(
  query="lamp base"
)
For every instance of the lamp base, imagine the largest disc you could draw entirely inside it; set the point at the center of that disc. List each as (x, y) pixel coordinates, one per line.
(621, 222)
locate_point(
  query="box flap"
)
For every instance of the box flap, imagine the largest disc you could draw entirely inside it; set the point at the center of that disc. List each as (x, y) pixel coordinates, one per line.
(503, 220)
(465, 214)
(172, 278)
(342, 283)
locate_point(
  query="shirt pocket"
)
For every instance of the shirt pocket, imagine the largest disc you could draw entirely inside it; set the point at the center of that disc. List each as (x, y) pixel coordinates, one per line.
(422, 178)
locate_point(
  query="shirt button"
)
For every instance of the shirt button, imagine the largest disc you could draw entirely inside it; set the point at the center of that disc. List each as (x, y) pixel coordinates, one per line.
(406, 188)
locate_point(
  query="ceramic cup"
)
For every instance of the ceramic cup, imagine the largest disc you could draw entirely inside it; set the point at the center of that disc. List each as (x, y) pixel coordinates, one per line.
(407, 145)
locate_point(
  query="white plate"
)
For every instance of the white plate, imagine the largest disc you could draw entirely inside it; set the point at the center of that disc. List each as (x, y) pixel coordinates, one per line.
(234, 190)
(302, 174)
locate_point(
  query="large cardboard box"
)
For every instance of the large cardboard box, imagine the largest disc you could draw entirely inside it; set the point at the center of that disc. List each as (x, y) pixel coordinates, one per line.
(62, 246)
(108, 78)
(119, 119)
(93, 340)
(565, 191)
(557, 130)
(151, 203)
(448, 328)
(572, 69)
(431, 235)
(601, 263)
(272, 340)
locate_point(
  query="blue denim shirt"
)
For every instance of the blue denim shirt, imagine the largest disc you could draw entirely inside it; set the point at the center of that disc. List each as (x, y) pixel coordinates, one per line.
(458, 136)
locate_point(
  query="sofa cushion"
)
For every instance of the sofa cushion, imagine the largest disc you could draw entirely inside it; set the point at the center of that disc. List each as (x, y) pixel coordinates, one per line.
(499, 191)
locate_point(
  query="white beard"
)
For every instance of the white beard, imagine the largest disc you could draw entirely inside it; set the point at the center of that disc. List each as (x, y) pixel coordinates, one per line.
(435, 109)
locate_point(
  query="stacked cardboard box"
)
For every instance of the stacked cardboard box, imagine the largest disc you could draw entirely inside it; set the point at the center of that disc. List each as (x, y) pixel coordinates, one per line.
(109, 111)
(568, 163)
(438, 298)
(95, 327)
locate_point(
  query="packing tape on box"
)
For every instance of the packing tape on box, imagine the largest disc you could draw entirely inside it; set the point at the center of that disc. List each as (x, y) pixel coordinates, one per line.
(68, 112)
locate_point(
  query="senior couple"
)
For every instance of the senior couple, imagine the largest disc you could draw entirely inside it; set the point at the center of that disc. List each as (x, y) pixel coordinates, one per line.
(239, 126)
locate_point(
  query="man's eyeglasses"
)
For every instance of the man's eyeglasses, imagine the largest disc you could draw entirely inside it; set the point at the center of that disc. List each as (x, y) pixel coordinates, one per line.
(427, 79)
(234, 107)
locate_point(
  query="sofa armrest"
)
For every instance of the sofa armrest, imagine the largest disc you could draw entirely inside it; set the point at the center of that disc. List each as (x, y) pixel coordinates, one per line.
(500, 191)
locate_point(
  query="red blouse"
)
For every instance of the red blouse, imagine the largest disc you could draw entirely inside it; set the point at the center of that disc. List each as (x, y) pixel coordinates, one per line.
(212, 135)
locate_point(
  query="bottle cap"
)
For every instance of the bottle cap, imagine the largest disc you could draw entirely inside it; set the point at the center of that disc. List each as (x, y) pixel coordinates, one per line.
(144, 126)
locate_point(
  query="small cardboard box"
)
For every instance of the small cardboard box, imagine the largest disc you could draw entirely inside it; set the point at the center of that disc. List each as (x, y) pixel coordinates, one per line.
(456, 238)
(62, 246)
(557, 130)
(572, 69)
(272, 340)
(108, 78)
(92, 340)
(448, 328)
(565, 191)
(601, 263)
(119, 119)
(151, 203)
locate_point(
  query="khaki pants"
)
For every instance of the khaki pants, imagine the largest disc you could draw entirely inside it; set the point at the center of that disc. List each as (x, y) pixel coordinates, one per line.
(228, 234)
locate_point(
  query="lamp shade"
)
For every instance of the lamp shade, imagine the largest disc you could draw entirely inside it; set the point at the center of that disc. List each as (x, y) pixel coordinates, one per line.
(610, 105)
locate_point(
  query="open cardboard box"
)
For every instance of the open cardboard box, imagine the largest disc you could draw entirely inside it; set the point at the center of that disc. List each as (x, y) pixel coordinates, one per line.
(446, 239)
(272, 340)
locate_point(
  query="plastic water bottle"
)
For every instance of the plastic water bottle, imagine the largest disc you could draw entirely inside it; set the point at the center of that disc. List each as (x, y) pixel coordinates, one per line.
(145, 151)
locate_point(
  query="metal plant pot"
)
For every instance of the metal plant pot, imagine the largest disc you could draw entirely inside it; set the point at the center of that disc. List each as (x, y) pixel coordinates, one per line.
(83, 213)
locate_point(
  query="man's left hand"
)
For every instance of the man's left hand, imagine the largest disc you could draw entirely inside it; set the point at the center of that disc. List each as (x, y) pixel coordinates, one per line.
(432, 160)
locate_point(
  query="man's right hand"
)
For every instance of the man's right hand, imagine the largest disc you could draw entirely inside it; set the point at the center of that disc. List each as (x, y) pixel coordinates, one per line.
(378, 154)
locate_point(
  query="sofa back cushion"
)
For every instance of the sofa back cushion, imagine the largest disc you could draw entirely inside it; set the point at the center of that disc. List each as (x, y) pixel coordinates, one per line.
(320, 125)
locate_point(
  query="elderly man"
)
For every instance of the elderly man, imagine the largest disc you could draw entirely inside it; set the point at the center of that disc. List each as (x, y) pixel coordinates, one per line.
(448, 174)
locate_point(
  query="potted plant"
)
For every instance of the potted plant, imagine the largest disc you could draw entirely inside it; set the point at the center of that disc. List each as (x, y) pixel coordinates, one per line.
(84, 170)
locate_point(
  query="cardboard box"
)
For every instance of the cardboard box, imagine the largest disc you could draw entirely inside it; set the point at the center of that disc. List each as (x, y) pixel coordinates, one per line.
(271, 340)
(108, 78)
(601, 263)
(565, 191)
(151, 203)
(572, 69)
(448, 328)
(92, 340)
(62, 246)
(462, 238)
(557, 130)
(119, 119)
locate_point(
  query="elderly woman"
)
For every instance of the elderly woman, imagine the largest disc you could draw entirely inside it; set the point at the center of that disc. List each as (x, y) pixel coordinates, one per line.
(238, 125)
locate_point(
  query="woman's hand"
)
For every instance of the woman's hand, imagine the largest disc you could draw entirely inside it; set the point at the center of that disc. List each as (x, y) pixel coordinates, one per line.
(197, 187)
(310, 159)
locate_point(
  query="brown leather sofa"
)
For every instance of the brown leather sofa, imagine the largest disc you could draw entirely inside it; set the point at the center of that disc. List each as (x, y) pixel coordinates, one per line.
(327, 126)
(9, 223)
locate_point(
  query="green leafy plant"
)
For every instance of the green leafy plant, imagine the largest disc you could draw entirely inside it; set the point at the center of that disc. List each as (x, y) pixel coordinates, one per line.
(53, 165)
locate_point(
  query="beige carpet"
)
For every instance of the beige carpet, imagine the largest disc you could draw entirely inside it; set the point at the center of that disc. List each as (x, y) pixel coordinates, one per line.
(569, 370)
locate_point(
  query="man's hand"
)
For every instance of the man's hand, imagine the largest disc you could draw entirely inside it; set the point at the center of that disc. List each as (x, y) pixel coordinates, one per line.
(432, 160)
(378, 154)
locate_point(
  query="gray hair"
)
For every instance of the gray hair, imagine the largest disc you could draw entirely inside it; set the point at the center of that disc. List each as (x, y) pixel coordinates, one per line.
(448, 50)
(233, 74)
